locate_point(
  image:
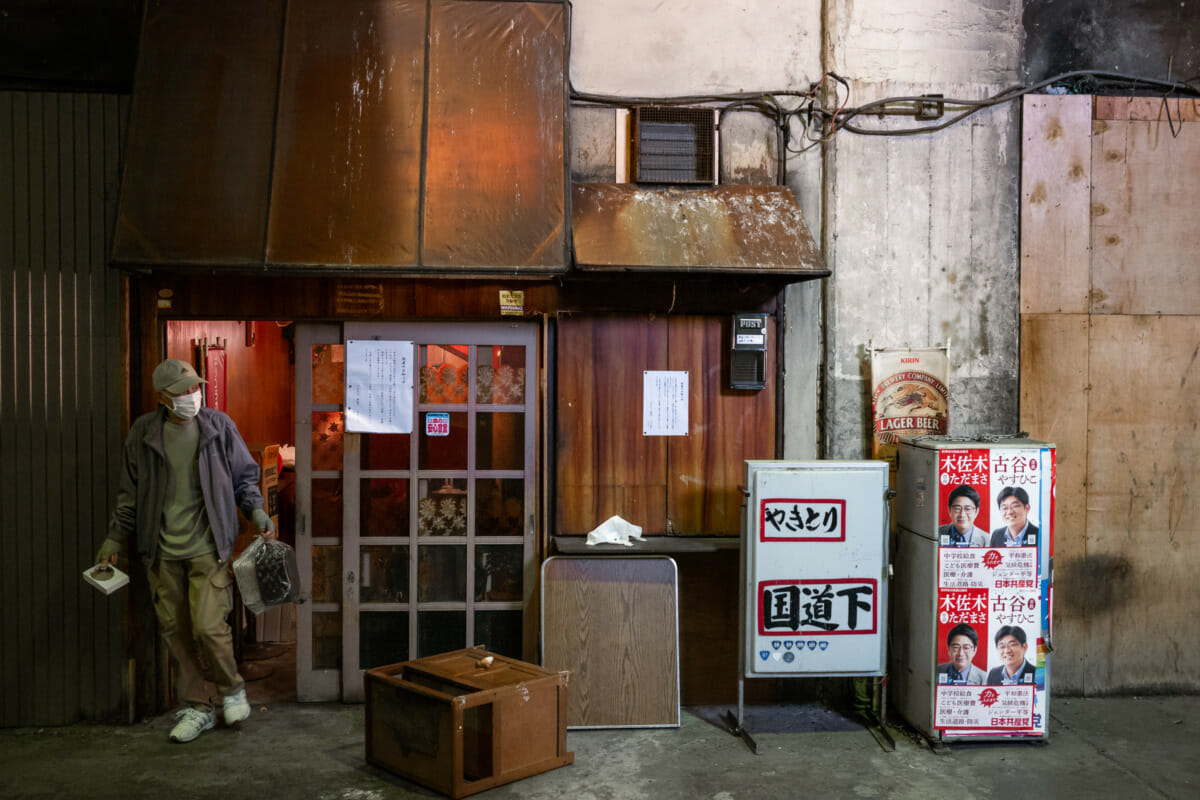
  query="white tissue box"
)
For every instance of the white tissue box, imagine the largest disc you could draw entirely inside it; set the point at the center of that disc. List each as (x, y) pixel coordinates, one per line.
(106, 579)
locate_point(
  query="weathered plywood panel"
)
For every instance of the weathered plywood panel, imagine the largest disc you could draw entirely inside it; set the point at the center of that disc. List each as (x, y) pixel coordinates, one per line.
(1143, 510)
(1178, 109)
(605, 465)
(1054, 404)
(725, 428)
(1055, 189)
(1145, 203)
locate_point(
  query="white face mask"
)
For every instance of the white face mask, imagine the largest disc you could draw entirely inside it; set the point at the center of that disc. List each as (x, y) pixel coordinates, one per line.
(186, 406)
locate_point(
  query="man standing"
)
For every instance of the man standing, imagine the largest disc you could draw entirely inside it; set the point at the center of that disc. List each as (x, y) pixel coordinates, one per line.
(1012, 645)
(1014, 509)
(961, 642)
(185, 472)
(961, 532)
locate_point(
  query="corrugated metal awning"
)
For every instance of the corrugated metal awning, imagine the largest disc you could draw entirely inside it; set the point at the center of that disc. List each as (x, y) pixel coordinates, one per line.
(725, 229)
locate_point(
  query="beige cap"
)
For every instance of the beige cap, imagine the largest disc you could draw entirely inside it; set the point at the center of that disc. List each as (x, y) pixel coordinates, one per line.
(175, 376)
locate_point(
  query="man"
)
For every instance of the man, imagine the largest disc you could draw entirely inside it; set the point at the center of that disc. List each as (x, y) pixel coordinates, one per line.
(185, 472)
(961, 641)
(961, 532)
(1011, 644)
(1014, 510)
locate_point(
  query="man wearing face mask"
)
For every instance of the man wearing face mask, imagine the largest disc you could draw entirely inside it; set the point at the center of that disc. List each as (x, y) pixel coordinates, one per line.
(185, 473)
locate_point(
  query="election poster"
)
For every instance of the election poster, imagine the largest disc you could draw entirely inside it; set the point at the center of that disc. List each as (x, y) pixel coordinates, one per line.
(992, 594)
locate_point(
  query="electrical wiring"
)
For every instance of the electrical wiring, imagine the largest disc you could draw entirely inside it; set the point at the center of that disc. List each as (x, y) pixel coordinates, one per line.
(811, 113)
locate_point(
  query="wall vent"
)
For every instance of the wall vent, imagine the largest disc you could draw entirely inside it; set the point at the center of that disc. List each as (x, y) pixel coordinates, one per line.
(674, 145)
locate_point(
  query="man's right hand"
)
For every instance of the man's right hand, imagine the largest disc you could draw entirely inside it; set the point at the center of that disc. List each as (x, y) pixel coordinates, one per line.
(108, 552)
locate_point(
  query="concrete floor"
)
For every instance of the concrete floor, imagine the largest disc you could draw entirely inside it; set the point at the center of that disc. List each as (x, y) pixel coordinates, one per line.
(1099, 748)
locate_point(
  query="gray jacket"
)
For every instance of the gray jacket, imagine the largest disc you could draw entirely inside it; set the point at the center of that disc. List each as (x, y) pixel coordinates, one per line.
(228, 480)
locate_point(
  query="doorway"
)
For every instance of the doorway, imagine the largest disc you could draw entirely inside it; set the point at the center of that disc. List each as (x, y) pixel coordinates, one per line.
(411, 544)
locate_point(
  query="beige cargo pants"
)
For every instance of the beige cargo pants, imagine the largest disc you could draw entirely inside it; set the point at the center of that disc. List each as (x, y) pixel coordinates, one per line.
(193, 598)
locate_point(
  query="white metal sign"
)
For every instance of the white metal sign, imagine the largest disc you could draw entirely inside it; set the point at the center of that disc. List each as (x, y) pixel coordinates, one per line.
(815, 568)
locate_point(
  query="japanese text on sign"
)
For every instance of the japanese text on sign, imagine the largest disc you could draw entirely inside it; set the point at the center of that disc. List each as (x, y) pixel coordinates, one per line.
(802, 520)
(379, 386)
(836, 606)
(988, 707)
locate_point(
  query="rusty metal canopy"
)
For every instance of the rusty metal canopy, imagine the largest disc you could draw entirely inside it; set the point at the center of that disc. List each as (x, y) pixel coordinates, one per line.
(495, 184)
(347, 177)
(405, 137)
(724, 229)
(198, 153)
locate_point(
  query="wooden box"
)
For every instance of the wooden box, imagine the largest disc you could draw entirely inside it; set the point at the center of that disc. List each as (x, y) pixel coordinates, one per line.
(466, 721)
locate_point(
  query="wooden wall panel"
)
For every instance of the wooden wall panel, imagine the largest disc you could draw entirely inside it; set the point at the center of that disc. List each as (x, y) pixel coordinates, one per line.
(1177, 109)
(605, 465)
(1055, 186)
(1145, 205)
(62, 653)
(1143, 503)
(682, 485)
(726, 427)
(260, 376)
(1054, 408)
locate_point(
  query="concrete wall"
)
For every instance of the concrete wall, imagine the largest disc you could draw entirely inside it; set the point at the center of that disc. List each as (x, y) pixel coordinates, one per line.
(922, 230)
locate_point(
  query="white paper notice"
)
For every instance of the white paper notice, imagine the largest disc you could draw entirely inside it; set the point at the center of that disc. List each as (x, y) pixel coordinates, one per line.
(379, 386)
(664, 403)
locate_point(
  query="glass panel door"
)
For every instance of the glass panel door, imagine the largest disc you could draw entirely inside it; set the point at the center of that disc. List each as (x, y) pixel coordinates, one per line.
(435, 547)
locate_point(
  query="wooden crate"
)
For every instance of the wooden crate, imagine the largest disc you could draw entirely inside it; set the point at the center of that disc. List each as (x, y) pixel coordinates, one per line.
(460, 723)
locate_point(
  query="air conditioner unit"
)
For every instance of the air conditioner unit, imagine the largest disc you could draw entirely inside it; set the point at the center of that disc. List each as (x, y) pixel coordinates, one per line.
(674, 145)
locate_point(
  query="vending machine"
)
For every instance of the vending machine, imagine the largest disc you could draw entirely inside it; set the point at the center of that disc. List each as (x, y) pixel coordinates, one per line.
(973, 586)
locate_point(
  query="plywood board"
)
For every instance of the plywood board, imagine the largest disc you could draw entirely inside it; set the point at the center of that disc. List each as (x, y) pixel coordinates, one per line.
(1054, 405)
(612, 621)
(1145, 203)
(1055, 188)
(1179, 109)
(1143, 509)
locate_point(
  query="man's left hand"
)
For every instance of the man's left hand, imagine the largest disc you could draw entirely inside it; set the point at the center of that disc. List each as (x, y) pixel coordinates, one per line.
(266, 527)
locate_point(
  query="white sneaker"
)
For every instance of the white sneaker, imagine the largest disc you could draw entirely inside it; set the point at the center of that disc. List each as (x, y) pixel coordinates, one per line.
(192, 723)
(237, 707)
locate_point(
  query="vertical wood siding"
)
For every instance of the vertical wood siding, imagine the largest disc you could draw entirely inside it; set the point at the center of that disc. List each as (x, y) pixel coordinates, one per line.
(61, 420)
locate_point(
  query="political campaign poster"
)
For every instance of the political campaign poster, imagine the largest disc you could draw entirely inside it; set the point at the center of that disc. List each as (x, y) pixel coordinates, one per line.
(991, 664)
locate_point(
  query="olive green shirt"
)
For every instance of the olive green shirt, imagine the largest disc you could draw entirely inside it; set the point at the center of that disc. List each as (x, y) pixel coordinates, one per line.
(185, 530)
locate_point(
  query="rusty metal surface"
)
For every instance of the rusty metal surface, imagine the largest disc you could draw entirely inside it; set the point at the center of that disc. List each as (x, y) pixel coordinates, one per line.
(199, 146)
(495, 192)
(346, 186)
(740, 229)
